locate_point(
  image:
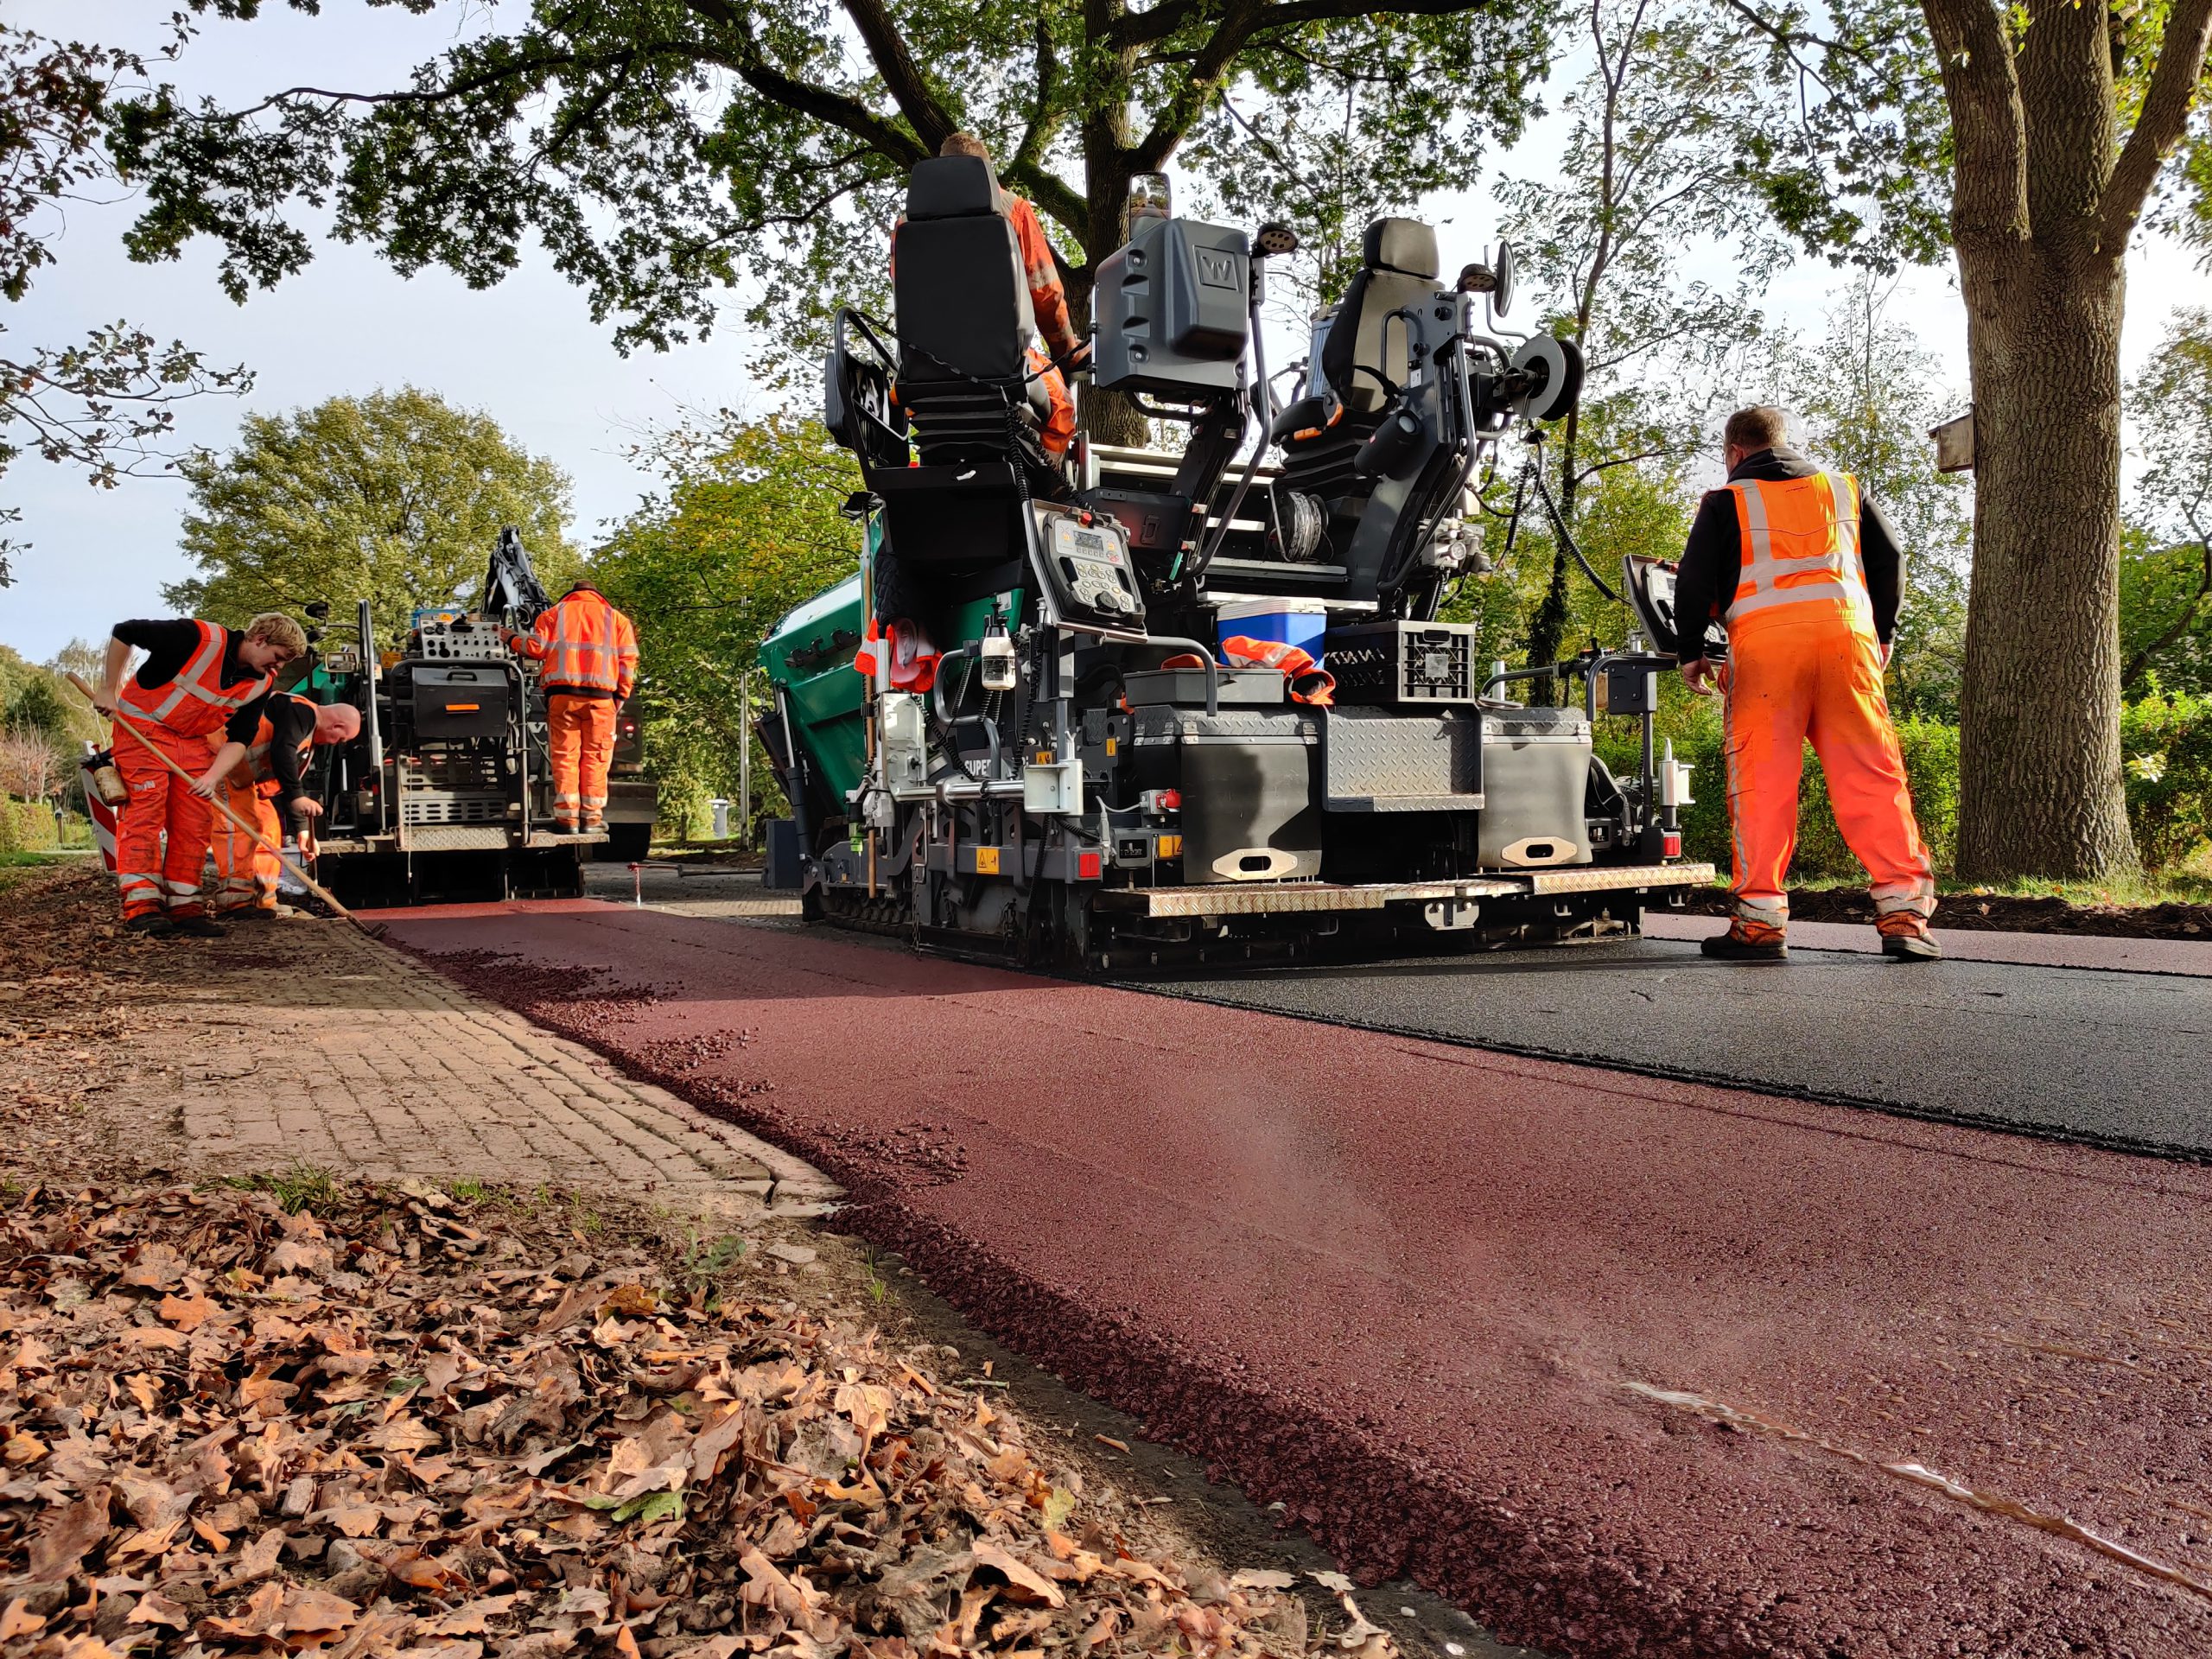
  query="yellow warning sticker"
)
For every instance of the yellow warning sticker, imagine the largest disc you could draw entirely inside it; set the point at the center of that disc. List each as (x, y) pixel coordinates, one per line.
(987, 861)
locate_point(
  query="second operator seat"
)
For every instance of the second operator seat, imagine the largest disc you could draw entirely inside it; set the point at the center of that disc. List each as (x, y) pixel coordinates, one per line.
(964, 318)
(1363, 360)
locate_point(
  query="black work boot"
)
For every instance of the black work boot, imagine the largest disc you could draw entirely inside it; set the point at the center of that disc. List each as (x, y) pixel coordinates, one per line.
(192, 925)
(1729, 947)
(1910, 947)
(150, 924)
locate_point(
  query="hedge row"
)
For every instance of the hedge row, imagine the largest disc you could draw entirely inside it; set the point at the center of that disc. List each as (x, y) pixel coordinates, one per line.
(2165, 739)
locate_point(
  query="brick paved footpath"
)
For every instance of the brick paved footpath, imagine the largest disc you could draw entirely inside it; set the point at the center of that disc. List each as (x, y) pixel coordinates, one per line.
(304, 1042)
(384, 1069)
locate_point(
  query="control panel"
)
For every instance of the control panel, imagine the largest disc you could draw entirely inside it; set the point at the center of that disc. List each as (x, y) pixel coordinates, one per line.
(459, 639)
(1084, 560)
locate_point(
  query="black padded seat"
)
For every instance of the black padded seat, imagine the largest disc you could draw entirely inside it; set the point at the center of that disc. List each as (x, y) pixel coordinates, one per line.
(1364, 359)
(965, 322)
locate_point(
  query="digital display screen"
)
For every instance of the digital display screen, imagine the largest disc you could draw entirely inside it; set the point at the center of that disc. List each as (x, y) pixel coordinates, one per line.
(1091, 541)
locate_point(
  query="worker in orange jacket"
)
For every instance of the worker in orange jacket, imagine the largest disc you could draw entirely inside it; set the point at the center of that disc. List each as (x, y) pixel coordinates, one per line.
(197, 678)
(1047, 298)
(1806, 577)
(259, 782)
(589, 651)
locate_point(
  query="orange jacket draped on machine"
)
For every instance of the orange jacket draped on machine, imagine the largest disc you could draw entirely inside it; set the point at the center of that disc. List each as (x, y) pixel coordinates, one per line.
(1805, 662)
(161, 838)
(589, 651)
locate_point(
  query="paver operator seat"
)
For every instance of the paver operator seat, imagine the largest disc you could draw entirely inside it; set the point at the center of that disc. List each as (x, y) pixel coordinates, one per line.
(965, 322)
(946, 421)
(1362, 369)
(1364, 358)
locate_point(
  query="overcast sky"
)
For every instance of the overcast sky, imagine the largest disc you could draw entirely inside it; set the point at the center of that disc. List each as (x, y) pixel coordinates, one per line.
(526, 352)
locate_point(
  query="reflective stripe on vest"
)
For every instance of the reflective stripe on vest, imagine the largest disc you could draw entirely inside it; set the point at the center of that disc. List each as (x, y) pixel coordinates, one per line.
(1800, 545)
(196, 702)
(585, 650)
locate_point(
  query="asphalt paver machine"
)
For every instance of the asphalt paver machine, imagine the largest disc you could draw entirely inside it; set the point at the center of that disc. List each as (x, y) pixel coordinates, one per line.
(1059, 761)
(446, 795)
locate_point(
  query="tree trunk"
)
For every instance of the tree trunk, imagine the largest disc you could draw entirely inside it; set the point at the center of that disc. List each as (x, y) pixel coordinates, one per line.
(1547, 628)
(1108, 153)
(2040, 789)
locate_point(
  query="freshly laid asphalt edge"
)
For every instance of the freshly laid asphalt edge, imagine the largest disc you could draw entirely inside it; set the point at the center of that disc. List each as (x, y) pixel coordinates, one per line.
(1368, 1490)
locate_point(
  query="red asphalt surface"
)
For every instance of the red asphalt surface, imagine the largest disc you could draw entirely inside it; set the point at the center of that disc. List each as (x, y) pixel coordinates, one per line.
(1623, 1366)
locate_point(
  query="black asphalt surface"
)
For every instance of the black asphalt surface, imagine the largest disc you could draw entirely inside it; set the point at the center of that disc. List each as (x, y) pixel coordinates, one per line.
(2113, 1060)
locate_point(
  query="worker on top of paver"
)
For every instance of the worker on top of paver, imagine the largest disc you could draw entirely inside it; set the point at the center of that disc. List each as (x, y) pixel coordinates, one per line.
(259, 781)
(198, 679)
(1806, 577)
(590, 653)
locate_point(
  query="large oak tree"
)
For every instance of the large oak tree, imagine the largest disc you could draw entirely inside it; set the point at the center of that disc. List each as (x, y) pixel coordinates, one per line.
(667, 152)
(2038, 134)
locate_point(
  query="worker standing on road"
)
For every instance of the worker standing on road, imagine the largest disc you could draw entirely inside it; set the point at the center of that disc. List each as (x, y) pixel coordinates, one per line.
(1806, 577)
(198, 679)
(590, 653)
(258, 780)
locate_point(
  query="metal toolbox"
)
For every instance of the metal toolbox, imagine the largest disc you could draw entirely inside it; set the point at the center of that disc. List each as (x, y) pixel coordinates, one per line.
(453, 702)
(1537, 773)
(1246, 777)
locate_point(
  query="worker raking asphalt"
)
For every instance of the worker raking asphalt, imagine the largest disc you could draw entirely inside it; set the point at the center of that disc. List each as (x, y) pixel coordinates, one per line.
(1624, 1365)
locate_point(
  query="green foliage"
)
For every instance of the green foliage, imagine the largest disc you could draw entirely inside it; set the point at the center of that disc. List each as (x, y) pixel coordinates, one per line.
(396, 498)
(2166, 742)
(302, 1186)
(104, 402)
(748, 526)
(662, 152)
(2165, 576)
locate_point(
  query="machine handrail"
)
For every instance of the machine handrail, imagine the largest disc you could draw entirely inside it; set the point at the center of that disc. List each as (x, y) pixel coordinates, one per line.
(1211, 663)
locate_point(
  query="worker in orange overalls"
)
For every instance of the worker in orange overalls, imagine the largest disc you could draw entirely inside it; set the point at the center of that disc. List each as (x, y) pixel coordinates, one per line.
(259, 780)
(590, 653)
(1047, 298)
(197, 677)
(1807, 578)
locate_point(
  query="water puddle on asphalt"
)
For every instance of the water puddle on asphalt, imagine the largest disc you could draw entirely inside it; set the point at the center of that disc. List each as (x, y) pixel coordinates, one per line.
(1920, 1475)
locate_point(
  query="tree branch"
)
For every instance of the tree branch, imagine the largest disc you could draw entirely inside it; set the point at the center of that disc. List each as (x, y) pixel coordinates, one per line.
(886, 48)
(1237, 27)
(1990, 184)
(2175, 629)
(2165, 115)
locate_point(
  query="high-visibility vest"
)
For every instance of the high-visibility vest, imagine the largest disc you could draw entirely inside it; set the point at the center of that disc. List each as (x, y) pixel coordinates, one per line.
(198, 700)
(1801, 555)
(255, 764)
(586, 645)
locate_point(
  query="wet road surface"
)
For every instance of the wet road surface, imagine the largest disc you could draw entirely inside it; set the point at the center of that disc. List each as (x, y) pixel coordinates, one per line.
(1627, 1366)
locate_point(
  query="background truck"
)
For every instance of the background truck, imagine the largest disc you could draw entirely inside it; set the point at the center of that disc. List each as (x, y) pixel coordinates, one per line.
(446, 795)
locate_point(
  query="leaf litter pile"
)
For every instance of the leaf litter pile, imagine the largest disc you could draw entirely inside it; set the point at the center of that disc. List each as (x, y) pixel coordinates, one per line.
(229, 1429)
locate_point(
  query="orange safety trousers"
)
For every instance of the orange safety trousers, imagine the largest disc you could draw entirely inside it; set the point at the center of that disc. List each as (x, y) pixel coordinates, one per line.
(581, 733)
(1801, 673)
(161, 839)
(245, 871)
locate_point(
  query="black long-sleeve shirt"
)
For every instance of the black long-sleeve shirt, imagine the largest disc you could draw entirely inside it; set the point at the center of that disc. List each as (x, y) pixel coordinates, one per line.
(1713, 561)
(168, 645)
(291, 723)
